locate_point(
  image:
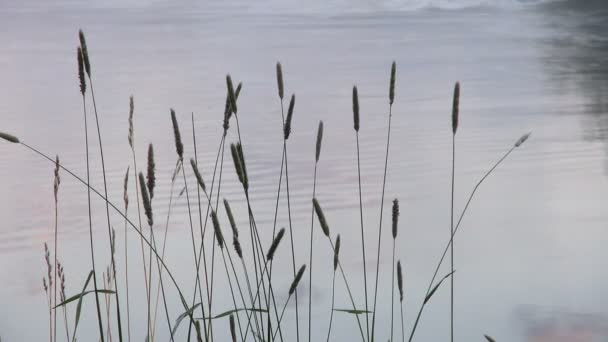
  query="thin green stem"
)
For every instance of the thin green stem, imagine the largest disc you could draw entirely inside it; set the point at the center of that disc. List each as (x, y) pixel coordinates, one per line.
(333, 301)
(143, 255)
(86, 135)
(392, 290)
(121, 214)
(452, 245)
(312, 224)
(105, 187)
(350, 294)
(362, 237)
(447, 247)
(388, 143)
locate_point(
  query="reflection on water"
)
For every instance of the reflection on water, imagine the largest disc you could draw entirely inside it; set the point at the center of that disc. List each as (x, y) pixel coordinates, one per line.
(549, 324)
(577, 56)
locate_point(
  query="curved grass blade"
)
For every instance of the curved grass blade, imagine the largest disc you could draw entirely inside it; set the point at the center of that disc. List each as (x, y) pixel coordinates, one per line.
(181, 317)
(79, 306)
(428, 297)
(489, 338)
(80, 295)
(229, 312)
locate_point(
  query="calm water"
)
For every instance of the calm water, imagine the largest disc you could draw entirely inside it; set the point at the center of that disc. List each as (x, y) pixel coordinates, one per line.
(530, 258)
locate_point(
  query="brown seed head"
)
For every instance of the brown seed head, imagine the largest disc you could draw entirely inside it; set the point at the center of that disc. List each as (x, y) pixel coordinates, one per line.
(395, 217)
(131, 110)
(197, 174)
(321, 216)
(455, 109)
(179, 147)
(83, 82)
(145, 198)
(85, 52)
(522, 139)
(297, 279)
(235, 231)
(287, 127)
(10, 138)
(151, 178)
(232, 328)
(231, 94)
(275, 244)
(356, 108)
(319, 141)
(125, 195)
(391, 90)
(336, 252)
(217, 229)
(400, 281)
(280, 79)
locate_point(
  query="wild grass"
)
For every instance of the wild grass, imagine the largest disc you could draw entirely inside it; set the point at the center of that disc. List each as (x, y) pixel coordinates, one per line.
(253, 305)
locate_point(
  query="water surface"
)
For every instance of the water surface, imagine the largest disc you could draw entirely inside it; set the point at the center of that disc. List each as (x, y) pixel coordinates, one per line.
(529, 257)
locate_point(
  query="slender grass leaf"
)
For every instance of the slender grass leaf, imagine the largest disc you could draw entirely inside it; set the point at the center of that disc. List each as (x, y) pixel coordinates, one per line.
(79, 306)
(80, 295)
(227, 313)
(354, 312)
(428, 297)
(181, 317)
(490, 339)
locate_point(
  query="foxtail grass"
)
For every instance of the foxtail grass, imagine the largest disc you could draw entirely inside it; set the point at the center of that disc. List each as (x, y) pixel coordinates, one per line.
(125, 198)
(325, 229)
(356, 118)
(56, 182)
(85, 55)
(455, 113)
(394, 231)
(122, 215)
(388, 144)
(333, 284)
(400, 286)
(430, 288)
(292, 290)
(131, 139)
(81, 70)
(312, 224)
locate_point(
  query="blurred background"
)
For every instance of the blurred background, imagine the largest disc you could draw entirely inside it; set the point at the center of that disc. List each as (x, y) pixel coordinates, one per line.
(530, 256)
